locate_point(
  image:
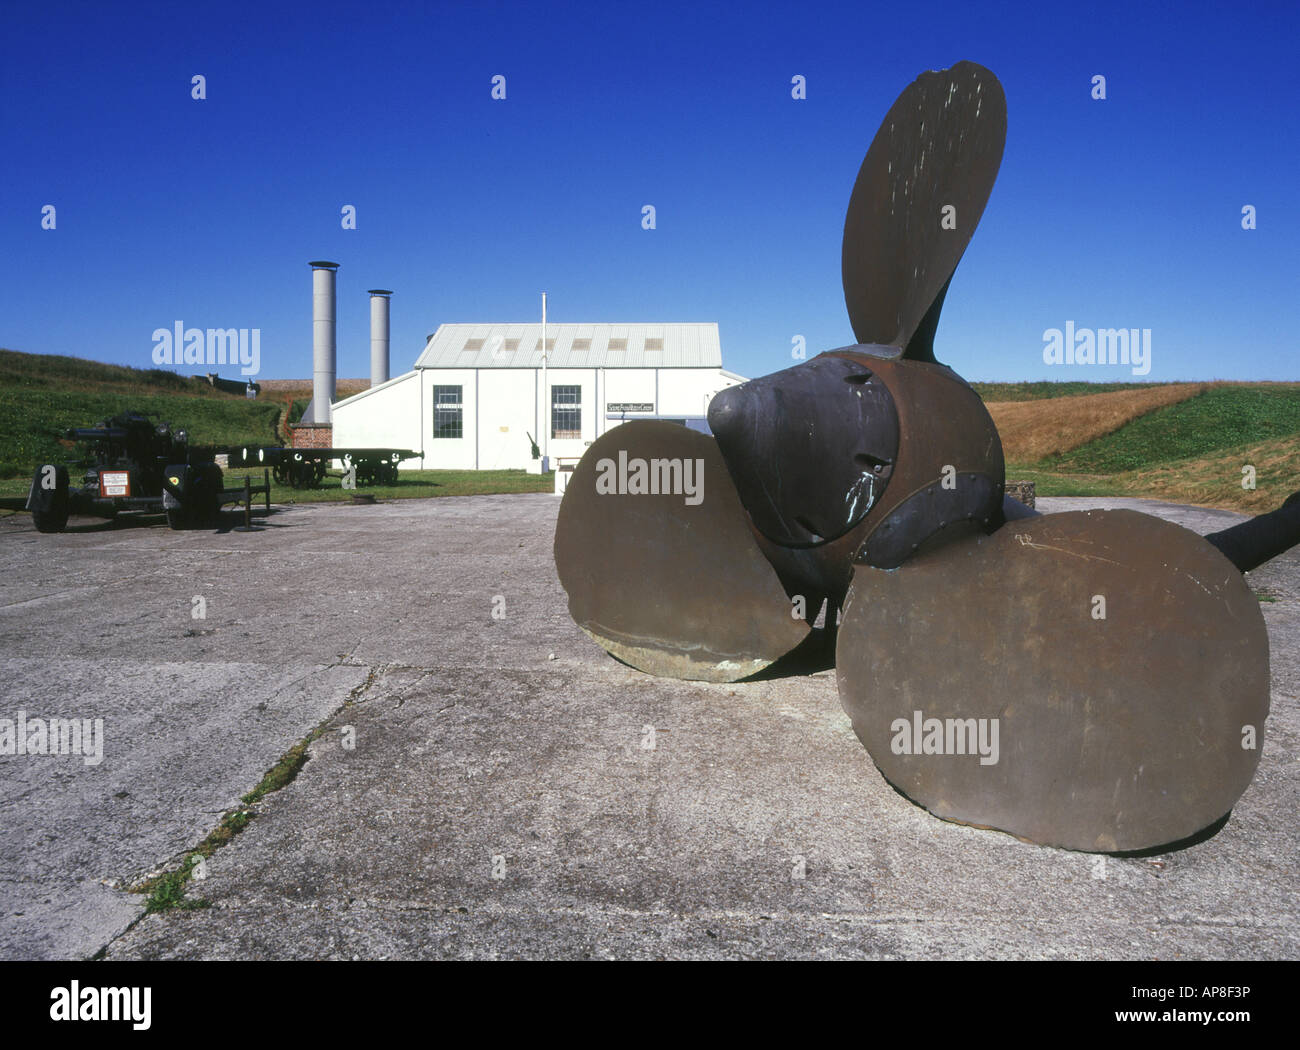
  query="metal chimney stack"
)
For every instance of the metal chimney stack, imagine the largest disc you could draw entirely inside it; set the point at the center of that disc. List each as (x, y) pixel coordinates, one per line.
(324, 343)
(379, 335)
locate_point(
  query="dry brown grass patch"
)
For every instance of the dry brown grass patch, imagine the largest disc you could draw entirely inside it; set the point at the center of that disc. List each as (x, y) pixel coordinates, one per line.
(1031, 430)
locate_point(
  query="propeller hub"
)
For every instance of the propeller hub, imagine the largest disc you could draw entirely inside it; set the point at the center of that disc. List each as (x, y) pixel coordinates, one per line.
(810, 449)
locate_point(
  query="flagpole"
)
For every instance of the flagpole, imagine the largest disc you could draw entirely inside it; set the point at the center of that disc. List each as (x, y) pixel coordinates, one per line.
(546, 396)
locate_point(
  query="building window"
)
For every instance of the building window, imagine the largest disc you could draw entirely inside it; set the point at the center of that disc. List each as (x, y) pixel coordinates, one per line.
(447, 422)
(566, 412)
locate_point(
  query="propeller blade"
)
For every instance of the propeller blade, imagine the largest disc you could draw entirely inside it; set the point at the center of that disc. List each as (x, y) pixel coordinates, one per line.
(939, 147)
(670, 581)
(1092, 680)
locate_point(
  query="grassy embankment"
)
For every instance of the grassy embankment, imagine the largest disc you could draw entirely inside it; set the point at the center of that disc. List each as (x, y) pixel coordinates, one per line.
(42, 395)
(1186, 443)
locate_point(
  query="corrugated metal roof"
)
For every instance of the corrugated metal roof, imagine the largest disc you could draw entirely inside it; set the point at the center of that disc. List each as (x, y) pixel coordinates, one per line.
(573, 346)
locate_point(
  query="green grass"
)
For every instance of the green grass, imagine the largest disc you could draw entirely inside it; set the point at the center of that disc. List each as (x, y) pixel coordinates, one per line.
(54, 370)
(1047, 483)
(411, 484)
(1221, 418)
(1039, 391)
(416, 484)
(280, 774)
(168, 890)
(42, 396)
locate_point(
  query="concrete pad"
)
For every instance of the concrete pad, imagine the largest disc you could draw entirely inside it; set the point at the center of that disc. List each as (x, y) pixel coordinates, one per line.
(1199, 519)
(482, 800)
(97, 626)
(181, 743)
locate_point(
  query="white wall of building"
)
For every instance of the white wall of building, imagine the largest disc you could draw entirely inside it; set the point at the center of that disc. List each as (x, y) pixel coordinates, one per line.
(690, 394)
(386, 416)
(501, 406)
(506, 417)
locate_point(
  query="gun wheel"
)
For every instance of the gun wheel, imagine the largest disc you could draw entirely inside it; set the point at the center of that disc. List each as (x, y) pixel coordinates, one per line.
(55, 520)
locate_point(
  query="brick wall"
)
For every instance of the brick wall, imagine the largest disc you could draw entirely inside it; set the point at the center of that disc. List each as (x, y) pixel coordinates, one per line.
(311, 435)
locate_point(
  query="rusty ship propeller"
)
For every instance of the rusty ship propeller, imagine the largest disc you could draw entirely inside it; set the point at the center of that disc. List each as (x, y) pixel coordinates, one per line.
(1095, 681)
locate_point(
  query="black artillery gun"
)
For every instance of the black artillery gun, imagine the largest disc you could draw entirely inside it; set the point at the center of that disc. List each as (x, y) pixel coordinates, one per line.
(1093, 680)
(131, 464)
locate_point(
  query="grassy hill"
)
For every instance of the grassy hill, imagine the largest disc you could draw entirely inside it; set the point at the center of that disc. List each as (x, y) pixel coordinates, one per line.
(42, 395)
(1035, 429)
(1185, 445)
(1219, 418)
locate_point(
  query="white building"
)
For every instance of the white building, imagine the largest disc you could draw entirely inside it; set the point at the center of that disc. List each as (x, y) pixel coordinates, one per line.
(476, 392)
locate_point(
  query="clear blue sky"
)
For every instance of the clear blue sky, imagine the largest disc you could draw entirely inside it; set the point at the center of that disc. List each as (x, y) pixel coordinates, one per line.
(1117, 213)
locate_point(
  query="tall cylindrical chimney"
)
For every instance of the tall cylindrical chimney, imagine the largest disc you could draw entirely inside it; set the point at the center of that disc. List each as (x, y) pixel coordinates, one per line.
(323, 340)
(379, 335)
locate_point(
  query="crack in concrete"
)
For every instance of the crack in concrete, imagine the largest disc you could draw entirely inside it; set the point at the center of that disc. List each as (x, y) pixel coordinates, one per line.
(177, 861)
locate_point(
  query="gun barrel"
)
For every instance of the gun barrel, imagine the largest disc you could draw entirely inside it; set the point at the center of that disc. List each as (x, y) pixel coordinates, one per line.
(97, 433)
